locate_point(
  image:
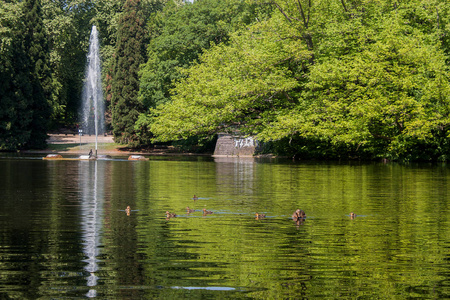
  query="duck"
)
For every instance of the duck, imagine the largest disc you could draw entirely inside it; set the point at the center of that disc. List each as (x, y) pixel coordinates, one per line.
(195, 198)
(170, 215)
(302, 214)
(188, 210)
(128, 210)
(298, 215)
(259, 216)
(207, 212)
(352, 215)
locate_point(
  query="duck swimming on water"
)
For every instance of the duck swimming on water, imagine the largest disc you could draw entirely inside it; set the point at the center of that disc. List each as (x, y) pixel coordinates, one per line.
(259, 216)
(128, 210)
(207, 212)
(188, 210)
(298, 215)
(170, 215)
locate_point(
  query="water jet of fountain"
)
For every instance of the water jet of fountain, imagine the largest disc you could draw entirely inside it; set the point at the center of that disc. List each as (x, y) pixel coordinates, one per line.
(93, 108)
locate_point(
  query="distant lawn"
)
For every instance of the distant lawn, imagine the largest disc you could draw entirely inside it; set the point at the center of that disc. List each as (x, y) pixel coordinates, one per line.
(84, 146)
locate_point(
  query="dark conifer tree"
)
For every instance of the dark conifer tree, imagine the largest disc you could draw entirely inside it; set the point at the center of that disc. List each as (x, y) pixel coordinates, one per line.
(11, 136)
(42, 77)
(125, 83)
(24, 106)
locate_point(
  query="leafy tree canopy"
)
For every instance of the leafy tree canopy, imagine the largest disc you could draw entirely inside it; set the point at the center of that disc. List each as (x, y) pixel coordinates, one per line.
(179, 34)
(371, 75)
(246, 83)
(394, 92)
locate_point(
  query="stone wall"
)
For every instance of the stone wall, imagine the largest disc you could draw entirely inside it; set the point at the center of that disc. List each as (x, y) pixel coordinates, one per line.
(230, 145)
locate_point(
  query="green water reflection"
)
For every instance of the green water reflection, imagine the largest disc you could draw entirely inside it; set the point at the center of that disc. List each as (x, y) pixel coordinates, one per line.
(65, 232)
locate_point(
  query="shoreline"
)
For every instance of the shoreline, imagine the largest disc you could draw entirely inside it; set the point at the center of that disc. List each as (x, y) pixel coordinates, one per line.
(73, 144)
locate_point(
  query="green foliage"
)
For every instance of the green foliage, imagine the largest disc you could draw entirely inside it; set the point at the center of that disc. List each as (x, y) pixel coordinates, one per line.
(387, 97)
(243, 84)
(125, 85)
(67, 25)
(179, 34)
(107, 16)
(361, 79)
(11, 136)
(197, 144)
(9, 13)
(8, 21)
(330, 78)
(312, 148)
(25, 107)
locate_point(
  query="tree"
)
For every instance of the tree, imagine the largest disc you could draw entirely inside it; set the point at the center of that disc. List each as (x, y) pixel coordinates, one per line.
(369, 76)
(107, 16)
(125, 83)
(38, 50)
(25, 104)
(179, 34)
(10, 138)
(67, 25)
(241, 85)
(386, 95)
(385, 99)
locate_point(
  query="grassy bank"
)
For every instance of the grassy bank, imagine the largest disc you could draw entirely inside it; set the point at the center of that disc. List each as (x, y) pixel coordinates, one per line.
(77, 148)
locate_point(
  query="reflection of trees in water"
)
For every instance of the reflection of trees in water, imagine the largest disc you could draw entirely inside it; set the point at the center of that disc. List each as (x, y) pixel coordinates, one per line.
(121, 233)
(328, 255)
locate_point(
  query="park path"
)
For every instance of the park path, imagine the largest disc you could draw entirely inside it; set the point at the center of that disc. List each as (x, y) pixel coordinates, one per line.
(75, 138)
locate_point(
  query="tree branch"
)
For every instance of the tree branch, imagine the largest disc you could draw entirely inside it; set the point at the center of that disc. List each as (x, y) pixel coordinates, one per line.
(343, 4)
(282, 11)
(437, 12)
(300, 7)
(381, 136)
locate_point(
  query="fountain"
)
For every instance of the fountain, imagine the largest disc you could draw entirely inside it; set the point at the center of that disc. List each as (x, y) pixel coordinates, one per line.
(92, 112)
(93, 108)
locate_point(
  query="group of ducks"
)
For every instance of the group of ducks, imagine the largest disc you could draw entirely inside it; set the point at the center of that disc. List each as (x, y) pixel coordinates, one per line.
(188, 210)
(298, 216)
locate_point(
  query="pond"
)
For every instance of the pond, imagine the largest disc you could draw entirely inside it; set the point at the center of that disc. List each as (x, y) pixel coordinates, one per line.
(66, 233)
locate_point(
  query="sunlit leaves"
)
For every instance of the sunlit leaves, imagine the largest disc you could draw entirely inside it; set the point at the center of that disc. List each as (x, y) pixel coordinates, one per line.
(368, 75)
(394, 91)
(179, 34)
(9, 13)
(232, 85)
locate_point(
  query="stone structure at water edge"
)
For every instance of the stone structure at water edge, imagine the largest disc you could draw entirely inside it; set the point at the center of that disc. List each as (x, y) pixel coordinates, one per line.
(235, 145)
